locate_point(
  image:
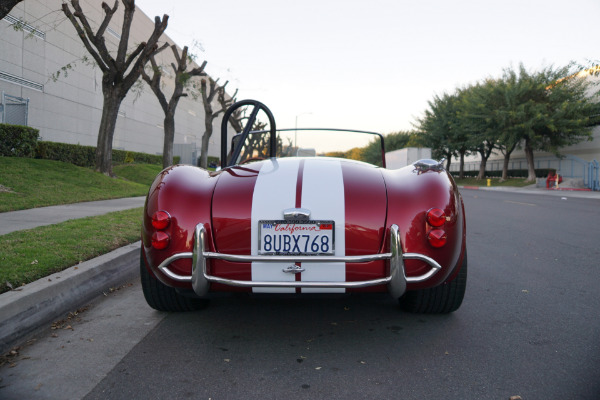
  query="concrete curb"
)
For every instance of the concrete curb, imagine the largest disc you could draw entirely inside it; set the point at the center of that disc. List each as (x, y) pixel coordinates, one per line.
(24, 310)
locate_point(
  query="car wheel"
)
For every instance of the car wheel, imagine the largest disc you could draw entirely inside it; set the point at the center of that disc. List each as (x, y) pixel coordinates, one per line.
(441, 299)
(164, 298)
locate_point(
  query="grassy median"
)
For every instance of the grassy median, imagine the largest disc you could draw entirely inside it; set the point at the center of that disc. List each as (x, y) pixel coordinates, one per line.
(35, 253)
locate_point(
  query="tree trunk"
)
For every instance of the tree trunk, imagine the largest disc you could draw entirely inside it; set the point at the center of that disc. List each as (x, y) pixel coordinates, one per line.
(461, 172)
(505, 167)
(205, 142)
(530, 162)
(106, 132)
(481, 174)
(235, 121)
(169, 128)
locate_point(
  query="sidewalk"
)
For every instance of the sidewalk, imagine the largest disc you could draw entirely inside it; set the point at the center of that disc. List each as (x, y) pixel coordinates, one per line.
(27, 219)
(28, 309)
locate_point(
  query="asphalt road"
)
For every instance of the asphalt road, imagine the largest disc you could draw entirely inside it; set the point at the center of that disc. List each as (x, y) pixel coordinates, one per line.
(529, 326)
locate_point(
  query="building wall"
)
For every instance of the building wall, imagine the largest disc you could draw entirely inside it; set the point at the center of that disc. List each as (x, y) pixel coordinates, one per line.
(69, 109)
(403, 157)
(586, 150)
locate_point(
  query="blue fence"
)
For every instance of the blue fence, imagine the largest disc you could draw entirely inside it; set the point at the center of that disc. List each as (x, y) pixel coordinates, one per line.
(594, 182)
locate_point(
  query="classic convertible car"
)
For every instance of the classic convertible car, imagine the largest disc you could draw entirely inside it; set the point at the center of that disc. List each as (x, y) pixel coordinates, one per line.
(272, 220)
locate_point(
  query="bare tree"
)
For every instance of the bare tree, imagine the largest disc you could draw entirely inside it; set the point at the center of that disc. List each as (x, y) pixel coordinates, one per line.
(208, 95)
(118, 73)
(6, 6)
(257, 144)
(238, 116)
(182, 78)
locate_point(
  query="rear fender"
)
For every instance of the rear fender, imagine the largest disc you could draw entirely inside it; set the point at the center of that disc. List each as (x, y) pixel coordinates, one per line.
(185, 192)
(411, 193)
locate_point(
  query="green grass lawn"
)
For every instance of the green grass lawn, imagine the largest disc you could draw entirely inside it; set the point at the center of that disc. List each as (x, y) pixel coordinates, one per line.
(35, 253)
(140, 173)
(29, 183)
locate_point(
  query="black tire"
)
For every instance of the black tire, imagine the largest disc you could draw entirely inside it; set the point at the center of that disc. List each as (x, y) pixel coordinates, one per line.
(442, 299)
(164, 298)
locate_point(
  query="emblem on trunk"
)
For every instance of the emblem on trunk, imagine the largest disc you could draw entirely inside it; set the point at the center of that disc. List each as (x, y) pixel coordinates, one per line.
(296, 214)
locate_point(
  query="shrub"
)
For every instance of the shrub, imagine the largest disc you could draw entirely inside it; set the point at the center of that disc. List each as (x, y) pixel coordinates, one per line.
(22, 141)
(210, 160)
(85, 156)
(120, 156)
(17, 140)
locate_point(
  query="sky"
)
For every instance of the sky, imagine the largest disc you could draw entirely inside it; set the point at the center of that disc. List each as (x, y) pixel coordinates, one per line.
(372, 64)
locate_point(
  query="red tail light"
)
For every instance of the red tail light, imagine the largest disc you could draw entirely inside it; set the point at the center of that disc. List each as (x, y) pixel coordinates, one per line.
(436, 217)
(161, 219)
(437, 237)
(160, 240)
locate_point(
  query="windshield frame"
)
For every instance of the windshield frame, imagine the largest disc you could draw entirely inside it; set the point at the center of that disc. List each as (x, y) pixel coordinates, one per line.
(381, 138)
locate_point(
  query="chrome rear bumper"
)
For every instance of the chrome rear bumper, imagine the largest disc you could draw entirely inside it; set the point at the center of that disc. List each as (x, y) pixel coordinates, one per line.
(396, 280)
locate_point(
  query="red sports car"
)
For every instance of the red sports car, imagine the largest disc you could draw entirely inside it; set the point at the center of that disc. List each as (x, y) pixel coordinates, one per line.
(282, 216)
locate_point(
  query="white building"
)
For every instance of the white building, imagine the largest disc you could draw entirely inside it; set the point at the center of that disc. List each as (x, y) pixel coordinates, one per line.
(68, 109)
(573, 164)
(406, 156)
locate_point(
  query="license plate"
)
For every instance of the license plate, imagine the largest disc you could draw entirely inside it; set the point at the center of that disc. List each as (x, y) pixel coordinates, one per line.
(296, 237)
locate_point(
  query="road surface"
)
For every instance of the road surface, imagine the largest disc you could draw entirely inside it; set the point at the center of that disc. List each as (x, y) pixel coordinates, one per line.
(529, 326)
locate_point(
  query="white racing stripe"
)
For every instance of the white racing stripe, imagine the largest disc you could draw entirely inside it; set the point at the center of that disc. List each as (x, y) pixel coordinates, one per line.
(274, 191)
(322, 194)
